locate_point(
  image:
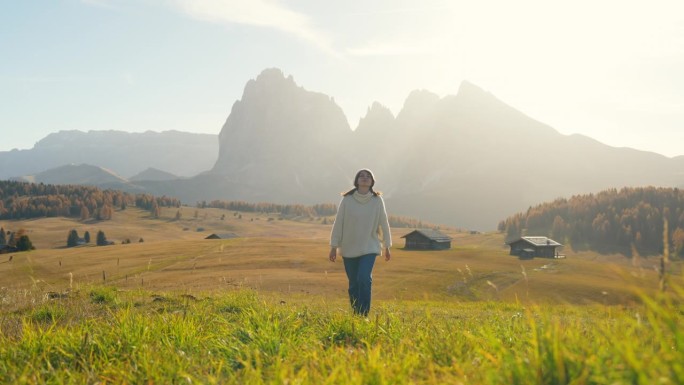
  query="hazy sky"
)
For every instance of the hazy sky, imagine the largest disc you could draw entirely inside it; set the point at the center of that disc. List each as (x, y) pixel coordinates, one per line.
(611, 70)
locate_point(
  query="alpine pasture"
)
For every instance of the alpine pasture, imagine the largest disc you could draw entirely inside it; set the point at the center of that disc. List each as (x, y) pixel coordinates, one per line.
(268, 307)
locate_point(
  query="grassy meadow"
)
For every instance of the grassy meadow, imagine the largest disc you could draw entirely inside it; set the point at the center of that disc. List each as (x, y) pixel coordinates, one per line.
(268, 307)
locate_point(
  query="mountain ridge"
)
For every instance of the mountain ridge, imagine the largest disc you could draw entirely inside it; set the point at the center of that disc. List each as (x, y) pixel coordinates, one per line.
(466, 160)
(126, 153)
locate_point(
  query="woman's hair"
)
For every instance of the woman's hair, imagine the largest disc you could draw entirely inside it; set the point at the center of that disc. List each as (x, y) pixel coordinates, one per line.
(356, 183)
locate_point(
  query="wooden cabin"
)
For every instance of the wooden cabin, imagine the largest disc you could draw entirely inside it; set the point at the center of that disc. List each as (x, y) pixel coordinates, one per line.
(531, 247)
(222, 236)
(427, 239)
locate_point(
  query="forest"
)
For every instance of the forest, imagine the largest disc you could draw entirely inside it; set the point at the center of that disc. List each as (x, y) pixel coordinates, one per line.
(631, 221)
(22, 200)
(317, 210)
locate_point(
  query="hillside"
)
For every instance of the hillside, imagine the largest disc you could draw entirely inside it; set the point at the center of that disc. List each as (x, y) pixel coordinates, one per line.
(268, 306)
(22, 200)
(630, 221)
(243, 336)
(289, 255)
(152, 173)
(83, 174)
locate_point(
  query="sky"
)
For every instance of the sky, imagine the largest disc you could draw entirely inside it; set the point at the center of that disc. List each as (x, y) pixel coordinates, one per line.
(608, 69)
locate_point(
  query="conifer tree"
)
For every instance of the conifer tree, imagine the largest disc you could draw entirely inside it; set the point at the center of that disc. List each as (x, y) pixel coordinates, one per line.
(101, 239)
(24, 243)
(72, 239)
(86, 237)
(3, 237)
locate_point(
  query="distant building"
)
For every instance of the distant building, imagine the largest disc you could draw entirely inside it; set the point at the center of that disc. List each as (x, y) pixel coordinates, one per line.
(530, 247)
(427, 239)
(222, 236)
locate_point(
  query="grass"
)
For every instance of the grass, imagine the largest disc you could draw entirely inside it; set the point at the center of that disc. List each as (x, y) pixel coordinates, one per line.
(101, 335)
(270, 308)
(296, 264)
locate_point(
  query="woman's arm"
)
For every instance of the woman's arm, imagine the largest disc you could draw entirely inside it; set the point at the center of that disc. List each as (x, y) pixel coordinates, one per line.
(384, 225)
(336, 233)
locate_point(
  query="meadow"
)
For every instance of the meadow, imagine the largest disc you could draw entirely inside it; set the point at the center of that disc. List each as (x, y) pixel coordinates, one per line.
(268, 307)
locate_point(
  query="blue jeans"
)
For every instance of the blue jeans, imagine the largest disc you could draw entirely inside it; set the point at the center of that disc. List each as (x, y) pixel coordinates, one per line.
(360, 279)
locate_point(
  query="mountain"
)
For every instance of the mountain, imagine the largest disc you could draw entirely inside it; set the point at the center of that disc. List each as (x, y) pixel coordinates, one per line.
(127, 154)
(282, 143)
(82, 174)
(154, 174)
(467, 160)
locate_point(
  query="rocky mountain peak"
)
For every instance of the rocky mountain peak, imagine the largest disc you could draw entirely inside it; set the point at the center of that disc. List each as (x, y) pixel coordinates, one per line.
(280, 132)
(419, 101)
(377, 116)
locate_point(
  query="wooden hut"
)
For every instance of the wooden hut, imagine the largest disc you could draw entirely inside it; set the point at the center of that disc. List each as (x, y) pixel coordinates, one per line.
(427, 239)
(530, 247)
(222, 236)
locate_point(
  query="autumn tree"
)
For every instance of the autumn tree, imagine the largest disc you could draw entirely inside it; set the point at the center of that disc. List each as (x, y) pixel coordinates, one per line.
(678, 242)
(558, 228)
(627, 221)
(155, 210)
(85, 213)
(513, 228)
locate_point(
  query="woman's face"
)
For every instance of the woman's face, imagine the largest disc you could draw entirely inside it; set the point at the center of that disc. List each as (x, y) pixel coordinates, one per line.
(364, 179)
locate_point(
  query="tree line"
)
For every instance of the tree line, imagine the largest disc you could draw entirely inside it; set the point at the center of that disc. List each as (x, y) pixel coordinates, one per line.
(628, 221)
(15, 241)
(23, 200)
(317, 210)
(73, 239)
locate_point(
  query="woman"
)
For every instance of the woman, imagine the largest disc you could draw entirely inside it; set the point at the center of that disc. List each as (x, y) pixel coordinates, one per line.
(360, 226)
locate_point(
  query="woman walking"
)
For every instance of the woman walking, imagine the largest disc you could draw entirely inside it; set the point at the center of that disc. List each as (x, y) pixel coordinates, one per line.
(360, 228)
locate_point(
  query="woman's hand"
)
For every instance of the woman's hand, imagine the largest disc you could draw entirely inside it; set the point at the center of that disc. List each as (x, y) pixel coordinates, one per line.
(388, 256)
(333, 254)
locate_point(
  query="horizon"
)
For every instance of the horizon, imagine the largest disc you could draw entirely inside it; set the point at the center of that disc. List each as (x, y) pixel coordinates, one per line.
(609, 71)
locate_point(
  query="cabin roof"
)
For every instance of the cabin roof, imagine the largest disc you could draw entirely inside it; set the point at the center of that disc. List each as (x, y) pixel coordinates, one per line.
(222, 236)
(537, 241)
(434, 235)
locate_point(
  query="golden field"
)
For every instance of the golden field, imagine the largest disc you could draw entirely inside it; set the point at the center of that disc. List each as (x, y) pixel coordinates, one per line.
(289, 256)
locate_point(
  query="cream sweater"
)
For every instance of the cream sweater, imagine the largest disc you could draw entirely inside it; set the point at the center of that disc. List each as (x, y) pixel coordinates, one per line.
(360, 227)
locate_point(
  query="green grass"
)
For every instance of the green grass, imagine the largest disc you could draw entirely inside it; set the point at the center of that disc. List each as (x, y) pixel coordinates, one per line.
(269, 308)
(102, 335)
